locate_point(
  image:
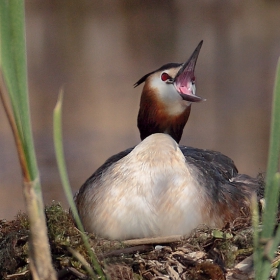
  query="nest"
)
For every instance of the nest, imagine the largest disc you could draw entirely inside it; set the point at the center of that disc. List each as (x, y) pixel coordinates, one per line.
(206, 254)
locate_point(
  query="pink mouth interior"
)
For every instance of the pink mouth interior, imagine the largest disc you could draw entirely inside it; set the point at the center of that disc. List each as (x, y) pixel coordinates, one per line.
(183, 90)
(186, 90)
(182, 82)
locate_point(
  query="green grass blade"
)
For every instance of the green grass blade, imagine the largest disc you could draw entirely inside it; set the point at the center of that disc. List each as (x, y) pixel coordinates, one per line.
(267, 242)
(58, 143)
(267, 251)
(8, 61)
(60, 158)
(274, 150)
(13, 65)
(271, 192)
(14, 95)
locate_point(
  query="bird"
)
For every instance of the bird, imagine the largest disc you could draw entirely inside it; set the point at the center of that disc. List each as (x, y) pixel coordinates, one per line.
(160, 188)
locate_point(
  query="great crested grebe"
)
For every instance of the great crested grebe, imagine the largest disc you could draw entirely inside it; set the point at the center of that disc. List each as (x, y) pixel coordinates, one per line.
(159, 188)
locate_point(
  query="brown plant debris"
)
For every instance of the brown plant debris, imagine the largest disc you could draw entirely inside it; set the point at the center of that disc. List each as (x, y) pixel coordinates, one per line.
(206, 254)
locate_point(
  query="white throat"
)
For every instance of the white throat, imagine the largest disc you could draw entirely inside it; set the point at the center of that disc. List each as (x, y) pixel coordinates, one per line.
(168, 96)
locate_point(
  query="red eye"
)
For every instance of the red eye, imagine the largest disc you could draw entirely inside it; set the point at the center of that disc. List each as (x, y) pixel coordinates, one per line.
(164, 77)
(193, 80)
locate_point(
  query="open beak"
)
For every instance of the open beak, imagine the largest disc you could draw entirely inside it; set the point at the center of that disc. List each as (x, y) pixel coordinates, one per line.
(184, 81)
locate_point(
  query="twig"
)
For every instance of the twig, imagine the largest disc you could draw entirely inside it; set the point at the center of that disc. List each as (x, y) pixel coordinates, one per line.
(17, 275)
(71, 270)
(83, 261)
(129, 250)
(154, 240)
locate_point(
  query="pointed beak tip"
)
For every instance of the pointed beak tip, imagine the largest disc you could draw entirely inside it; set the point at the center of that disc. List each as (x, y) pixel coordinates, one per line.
(189, 65)
(199, 99)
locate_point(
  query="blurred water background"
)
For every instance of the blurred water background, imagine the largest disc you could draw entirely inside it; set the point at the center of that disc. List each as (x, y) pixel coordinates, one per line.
(97, 50)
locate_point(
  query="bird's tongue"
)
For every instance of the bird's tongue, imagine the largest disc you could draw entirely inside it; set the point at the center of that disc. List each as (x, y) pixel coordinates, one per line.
(188, 94)
(186, 88)
(183, 90)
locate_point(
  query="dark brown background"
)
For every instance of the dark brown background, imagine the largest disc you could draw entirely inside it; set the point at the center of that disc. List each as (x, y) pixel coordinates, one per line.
(96, 50)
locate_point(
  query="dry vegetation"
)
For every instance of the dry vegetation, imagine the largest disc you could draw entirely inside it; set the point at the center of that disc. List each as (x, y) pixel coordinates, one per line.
(206, 254)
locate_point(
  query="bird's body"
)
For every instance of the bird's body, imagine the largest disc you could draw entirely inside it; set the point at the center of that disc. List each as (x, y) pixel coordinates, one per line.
(159, 188)
(146, 193)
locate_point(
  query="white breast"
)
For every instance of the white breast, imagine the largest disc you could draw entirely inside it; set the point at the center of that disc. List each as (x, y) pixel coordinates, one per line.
(150, 192)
